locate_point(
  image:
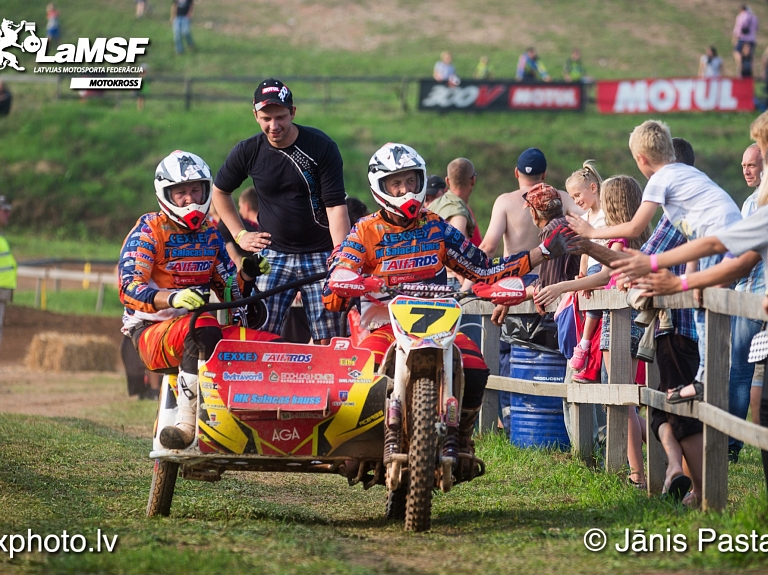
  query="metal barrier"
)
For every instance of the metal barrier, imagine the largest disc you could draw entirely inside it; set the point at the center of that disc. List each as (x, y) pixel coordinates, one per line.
(621, 391)
(43, 274)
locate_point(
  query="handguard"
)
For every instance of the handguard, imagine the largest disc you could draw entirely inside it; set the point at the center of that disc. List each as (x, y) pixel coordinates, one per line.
(346, 283)
(508, 291)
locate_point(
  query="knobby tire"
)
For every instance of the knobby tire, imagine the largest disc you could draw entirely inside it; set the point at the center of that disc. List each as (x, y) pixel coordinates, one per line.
(421, 455)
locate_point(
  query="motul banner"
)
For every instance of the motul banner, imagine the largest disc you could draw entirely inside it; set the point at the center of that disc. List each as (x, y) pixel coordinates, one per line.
(675, 95)
(500, 95)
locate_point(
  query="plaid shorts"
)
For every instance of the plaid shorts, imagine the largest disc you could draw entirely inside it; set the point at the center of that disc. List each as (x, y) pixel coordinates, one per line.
(286, 268)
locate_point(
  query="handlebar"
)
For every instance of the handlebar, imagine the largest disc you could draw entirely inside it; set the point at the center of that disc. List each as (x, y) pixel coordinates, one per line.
(248, 300)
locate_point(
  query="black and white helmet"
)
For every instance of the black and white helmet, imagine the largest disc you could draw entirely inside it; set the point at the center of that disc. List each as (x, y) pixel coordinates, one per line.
(180, 168)
(391, 159)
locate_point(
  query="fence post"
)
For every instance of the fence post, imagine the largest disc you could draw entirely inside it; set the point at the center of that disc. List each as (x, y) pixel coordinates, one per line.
(100, 298)
(657, 457)
(187, 93)
(716, 383)
(404, 94)
(489, 412)
(619, 369)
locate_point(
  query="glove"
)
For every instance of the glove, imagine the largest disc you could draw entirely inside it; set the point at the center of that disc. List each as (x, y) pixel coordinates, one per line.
(558, 242)
(255, 265)
(189, 298)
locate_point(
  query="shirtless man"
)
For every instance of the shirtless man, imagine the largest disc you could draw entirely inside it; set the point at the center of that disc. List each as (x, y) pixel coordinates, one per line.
(511, 221)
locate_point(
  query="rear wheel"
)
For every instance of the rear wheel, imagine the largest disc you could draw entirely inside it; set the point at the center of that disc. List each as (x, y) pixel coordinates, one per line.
(396, 503)
(421, 455)
(163, 486)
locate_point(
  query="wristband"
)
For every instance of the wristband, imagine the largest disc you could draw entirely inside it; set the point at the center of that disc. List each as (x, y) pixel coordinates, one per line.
(240, 235)
(654, 263)
(684, 282)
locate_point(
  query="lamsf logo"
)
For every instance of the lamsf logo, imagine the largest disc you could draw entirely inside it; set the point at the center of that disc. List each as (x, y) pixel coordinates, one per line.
(110, 50)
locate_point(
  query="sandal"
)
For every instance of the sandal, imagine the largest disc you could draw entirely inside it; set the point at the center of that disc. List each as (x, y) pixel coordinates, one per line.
(677, 398)
(678, 488)
(642, 485)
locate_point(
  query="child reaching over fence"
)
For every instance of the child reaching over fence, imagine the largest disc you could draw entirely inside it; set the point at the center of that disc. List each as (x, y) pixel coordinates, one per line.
(584, 188)
(621, 198)
(694, 204)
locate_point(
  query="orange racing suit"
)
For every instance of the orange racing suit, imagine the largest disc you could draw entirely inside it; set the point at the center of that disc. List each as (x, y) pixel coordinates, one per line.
(419, 253)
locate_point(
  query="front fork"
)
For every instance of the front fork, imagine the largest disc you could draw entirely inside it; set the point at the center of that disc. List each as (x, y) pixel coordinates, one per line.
(408, 367)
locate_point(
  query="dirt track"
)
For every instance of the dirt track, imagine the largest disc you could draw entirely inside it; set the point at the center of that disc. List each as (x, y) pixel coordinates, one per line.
(39, 393)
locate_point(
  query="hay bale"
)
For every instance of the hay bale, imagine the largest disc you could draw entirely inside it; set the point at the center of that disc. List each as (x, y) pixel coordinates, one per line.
(60, 352)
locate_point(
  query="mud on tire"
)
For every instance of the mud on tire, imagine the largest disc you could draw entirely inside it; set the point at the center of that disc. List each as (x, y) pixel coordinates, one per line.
(421, 455)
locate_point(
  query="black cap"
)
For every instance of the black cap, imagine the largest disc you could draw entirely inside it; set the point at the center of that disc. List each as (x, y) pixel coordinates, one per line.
(272, 91)
(434, 185)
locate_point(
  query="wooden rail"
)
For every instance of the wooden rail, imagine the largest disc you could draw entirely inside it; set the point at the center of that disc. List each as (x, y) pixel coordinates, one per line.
(621, 391)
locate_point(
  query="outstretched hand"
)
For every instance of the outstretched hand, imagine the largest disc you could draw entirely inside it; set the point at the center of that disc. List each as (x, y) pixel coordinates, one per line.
(562, 240)
(633, 267)
(663, 282)
(579, 225)
(547, 295)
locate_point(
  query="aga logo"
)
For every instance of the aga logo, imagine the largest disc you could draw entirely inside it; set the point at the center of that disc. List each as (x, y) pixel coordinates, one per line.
(285, 434)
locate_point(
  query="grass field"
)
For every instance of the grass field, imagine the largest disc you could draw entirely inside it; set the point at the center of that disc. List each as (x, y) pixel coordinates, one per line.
(528, 514)
(82, 170)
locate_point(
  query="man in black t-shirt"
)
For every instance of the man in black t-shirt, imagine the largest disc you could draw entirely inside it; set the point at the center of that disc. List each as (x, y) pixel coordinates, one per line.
(298, 175)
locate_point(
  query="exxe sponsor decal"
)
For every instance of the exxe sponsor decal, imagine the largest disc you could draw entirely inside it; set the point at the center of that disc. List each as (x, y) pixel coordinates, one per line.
(237, 356)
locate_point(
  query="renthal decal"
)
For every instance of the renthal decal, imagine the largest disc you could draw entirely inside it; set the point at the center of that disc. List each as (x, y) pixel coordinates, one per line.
(341, 345)
(237, 356)
(188, 266)
(417, 234)
(285, 434)
(243, 376)
(409, 263)
(287, 357)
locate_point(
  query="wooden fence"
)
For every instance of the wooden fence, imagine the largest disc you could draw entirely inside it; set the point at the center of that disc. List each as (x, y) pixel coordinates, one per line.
(622, 393)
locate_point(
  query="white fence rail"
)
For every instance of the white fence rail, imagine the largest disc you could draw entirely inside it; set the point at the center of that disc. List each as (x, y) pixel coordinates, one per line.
(45, 274)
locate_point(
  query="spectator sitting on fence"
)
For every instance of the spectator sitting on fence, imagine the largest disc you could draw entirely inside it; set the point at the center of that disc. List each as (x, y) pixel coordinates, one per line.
(435, 188)
(710, 64)
(574, 70)
(483, 70)
(445, 71)
(694, 204)
(530, 68)
(621, 196)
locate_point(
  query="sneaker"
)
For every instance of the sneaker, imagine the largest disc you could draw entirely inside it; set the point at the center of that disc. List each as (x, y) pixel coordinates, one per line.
(579, 359)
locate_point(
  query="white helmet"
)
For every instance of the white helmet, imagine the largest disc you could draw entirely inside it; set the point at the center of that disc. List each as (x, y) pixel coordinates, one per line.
(179, 168)
(390, 159)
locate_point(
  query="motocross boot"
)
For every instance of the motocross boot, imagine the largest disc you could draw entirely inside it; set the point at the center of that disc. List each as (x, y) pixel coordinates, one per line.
(182, 434)
(467, 468)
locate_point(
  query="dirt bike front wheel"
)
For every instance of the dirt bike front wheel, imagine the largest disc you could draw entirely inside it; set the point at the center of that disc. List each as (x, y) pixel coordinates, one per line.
(162, 488)
(422, 455)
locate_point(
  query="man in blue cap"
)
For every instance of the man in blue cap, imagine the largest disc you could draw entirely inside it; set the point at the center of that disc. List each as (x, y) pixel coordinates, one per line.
(510, 220)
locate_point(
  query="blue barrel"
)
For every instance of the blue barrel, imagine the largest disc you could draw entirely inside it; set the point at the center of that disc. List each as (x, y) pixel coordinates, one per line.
(536, 421)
